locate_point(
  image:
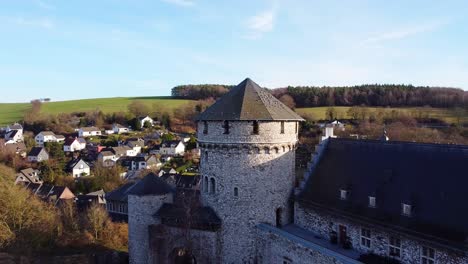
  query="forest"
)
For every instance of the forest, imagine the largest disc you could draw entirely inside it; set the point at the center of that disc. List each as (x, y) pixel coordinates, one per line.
(392, 95)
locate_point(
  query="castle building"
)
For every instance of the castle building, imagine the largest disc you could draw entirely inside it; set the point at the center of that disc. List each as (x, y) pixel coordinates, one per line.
(360, 201)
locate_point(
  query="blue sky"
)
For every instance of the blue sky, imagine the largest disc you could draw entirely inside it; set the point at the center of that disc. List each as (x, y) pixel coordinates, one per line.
(108, 48)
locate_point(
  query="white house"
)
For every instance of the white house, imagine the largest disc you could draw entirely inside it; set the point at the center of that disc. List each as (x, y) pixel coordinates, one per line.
(14, 134)
(145, 119)
(78, 168)
(48, 136)
(171, 171)
(74, 144)
(16, 127)
(173, 147)
(119, 129)
(89, 131)
(38, 154)
(136, 144)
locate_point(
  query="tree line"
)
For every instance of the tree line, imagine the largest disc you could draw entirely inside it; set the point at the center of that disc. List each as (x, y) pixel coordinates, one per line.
(393, 95)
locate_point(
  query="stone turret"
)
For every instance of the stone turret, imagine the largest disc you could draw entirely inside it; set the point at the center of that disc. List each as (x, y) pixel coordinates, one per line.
(247, 141)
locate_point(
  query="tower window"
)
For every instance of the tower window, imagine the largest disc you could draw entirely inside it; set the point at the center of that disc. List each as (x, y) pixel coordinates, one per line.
(343, 194)
(406, 209)
(206, 155)
(226, 127)
(205, 127)
(372, 201)
(266, 150)
(365, 237)
(205, 184)
(282, 127)
(394, 247)
(276, 150)
(255, 128)
(236, 191)
(427, 255)
(212, 185)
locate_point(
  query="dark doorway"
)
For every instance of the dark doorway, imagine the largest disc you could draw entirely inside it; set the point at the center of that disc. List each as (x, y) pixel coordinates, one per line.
(279, 213)
(342, 233)
(182, 256)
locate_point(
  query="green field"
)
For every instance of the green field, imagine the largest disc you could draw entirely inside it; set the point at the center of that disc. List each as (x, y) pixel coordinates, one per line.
(10, 113)
(447, 115)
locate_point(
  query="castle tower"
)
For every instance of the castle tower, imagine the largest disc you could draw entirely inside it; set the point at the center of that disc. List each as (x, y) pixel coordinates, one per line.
(247, 141)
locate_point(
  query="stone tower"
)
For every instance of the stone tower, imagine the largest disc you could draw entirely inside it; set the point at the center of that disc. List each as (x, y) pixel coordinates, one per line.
(247, 141)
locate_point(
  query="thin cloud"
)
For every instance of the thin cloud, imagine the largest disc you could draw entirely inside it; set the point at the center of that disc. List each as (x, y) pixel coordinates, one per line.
(261, 23)
(183, 3)
(44, 5)
(403, 33)
(40, 22)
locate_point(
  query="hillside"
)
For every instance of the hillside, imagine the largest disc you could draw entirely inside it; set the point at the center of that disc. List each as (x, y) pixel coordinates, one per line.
(10, 113)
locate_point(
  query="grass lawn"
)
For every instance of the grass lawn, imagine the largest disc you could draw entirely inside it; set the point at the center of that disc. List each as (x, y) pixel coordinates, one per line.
(10, 113)
(447, 115)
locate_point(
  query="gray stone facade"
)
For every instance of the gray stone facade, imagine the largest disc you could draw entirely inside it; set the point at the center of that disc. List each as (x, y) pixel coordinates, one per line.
(411, 247)
(247, 179)
(141, 210)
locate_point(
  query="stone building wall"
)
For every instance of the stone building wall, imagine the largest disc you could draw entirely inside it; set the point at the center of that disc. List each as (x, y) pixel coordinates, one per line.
(260, 167)
(205, 245)
(276, 246)
(322, 224)
(140, 215)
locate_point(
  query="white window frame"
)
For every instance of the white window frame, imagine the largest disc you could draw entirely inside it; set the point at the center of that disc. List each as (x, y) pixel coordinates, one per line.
(366, 237)
(372, 202)
(406, 209)
(426, 258)
(394, 246)
(343, 194)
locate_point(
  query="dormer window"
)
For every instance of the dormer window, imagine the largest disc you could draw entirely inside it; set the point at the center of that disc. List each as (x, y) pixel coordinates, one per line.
(372, 201)
(406, 209)
(226, 127)
(343, 194)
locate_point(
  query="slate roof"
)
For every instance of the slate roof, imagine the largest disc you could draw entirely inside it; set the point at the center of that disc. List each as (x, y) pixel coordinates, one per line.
(431, 178)
(119, 126)
(248, 101)
(90, 129)
(47, 133)
(203, 218)
(35, 151)
(151, 184)
(170, 143)
(16, 126)
(120, 194)
(72, 163)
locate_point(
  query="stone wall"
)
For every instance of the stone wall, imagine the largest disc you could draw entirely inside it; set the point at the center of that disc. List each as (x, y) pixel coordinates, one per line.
(276, 246)
(260, 167)
(164, 240)
(323, 223)
(141, 210)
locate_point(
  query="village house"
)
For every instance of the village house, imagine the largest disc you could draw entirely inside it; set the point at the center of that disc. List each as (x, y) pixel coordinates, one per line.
(38, 154)
(170, 171)
(84, 201)
(14, 134)
(144, 119)
(28, 175)
(48, 136)
(78, 167)
(123, 151)
(136, 144)
(172, 148)
(141, 162)
(74, 144)
(107, 158)
(89, 131)
(119, 129)
(51, 193)
(117, 202)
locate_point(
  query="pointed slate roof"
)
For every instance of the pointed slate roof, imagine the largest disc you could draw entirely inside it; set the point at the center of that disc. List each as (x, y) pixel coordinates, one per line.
(151, 184)
(248, 101)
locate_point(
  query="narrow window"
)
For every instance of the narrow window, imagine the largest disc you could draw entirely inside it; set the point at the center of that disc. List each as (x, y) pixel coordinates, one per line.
(236, 192)
(212, 185)
(226, 127)
(296, 127)
(284, 149)
(266, 150)
(343, 194)
(255, 127)
(282, 127)
(372, 201)
(276, 150)
(279, 212)
(205, 184)
(365, 237)
(394, 247)
(205, 127)
(406, 209)
(206, 155)
(427, 255)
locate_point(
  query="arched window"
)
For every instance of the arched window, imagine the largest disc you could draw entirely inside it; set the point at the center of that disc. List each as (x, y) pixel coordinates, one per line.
(284, 149)
(236, 191)
(205, 184)
(266, 150)
(212, 185)
(256, 150)
(255, 128)
(226, 127)
(282, 127)
(205, 127)
(276, 150)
